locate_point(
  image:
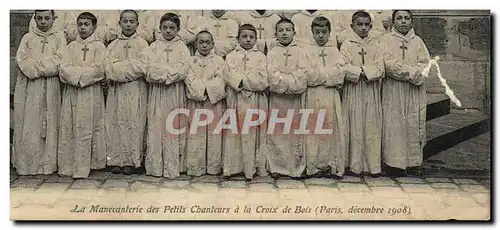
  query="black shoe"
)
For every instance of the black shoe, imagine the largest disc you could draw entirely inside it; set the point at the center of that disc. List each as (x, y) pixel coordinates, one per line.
(350, 173)
(127, 170)
(394, 172)
(116, 170)
(375, 175)
(416, 171)
(275, 175)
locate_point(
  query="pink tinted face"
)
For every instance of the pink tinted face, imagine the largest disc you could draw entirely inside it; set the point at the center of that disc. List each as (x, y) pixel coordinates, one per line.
(85, 28)
(403, 22)
(44, 20)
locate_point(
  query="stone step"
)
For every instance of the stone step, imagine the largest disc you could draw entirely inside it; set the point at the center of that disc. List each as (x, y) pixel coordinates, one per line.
(458, 126)
(438, 105)
(478, 174)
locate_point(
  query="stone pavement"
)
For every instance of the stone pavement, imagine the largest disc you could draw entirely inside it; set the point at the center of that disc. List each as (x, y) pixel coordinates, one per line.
(456, 186)
(407, 198)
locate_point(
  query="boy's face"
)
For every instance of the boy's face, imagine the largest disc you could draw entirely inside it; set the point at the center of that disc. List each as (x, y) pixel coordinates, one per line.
(403, 22)
(128, 23)
(362, 26)
(44, 20)
(285, 33)
(247, 39)
(85, 28)
(321, 34)
(218, 13)
(204, 43)
(169, 30)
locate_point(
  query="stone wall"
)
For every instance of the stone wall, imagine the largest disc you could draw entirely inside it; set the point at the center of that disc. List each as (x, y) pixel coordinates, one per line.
(460, 37)
(19, 21)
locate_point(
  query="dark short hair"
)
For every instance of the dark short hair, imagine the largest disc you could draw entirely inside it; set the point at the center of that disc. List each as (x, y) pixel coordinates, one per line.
(284, 20)
(51, 11)
(361, 14)
(396, 11)
(204, 32)
(172, 18)
(88, 15)
(247, 27)
(321, 21)
(129, 11)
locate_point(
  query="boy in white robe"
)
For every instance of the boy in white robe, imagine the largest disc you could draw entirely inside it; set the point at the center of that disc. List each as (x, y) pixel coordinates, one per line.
(264, 22)
(189, 21)
(224, 29)
(145, 28)
(82, 144)
(166, 73)
(247, 78)
(205, 90)
(325, 76)
(126, 104)
(287, 83)
(361, 102)
(303, 20)
(62, 21)
(37, 98)
(403, 97)
(101, 29)
(381, 23)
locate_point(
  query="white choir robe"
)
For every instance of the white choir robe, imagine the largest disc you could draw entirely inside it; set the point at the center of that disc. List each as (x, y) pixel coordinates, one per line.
(343, 25)
(82, 135)
(188, 19)
(236, 15)
(381, 19)
(378, 17)
(166, 73)
(265, 25)
(233, 14)
(224, 30)
(145, 29)
(126, 104)
(246, 79)
(325, 76)
(37, 103)
(361, 103)
(198, 13)
(288, 14)
(303, 21)
(342, 21)
(287, 83)
(404, 100)
(205, 90)
(61, 23)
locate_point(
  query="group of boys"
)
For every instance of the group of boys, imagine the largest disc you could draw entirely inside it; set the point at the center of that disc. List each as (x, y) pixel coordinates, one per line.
(372, 89)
